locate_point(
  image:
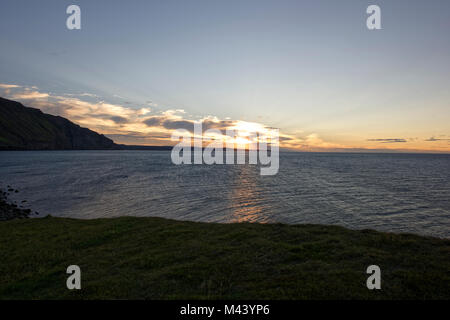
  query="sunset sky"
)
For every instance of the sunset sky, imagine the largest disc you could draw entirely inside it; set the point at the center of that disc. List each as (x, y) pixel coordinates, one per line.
(137, 70)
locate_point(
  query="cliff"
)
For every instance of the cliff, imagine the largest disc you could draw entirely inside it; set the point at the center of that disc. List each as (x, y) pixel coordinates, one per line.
(23, 128)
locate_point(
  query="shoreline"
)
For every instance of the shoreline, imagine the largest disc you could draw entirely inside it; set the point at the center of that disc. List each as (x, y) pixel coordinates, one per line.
(11, 211)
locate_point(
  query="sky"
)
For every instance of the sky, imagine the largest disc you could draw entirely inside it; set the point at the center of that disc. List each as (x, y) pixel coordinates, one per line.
(139, 69)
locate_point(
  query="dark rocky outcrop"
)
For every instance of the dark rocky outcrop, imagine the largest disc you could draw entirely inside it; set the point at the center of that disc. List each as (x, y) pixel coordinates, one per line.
(10, 210)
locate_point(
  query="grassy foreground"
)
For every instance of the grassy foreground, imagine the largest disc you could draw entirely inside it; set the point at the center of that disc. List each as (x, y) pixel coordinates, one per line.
(153, 258)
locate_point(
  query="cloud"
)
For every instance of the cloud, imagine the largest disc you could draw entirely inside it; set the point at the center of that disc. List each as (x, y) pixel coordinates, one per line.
(178, 124)
(141, 126)
(286, 138)
(314, 142)
(394, 140)
(119, 119)
(154, 121)
(84, 94)
(144, 111)
(8, 86)
(172, 120)
(29, 95)
(151, 104)
(22, 92)
(155, 138)
(433, 139)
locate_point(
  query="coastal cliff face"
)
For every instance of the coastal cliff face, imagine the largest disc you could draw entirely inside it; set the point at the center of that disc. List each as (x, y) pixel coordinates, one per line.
(23, 128)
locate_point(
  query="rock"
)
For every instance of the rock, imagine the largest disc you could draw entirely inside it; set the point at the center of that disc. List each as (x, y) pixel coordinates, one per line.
(9, 210)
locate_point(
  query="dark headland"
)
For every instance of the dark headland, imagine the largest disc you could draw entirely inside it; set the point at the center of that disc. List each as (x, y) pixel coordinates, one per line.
(24, 128)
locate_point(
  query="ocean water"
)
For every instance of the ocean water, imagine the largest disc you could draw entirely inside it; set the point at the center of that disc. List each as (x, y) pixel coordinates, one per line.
(388, 192)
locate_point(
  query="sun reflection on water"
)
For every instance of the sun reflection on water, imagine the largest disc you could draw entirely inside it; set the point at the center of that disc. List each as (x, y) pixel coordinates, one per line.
(247, 197)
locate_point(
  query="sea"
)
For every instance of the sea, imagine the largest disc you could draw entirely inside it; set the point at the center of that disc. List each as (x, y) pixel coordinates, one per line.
(407, 193)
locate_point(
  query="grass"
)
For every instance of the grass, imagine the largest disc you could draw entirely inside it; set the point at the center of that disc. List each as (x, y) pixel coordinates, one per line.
(154, 258)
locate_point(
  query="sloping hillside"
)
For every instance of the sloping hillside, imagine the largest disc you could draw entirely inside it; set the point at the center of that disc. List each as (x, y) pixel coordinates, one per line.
(23, 128)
